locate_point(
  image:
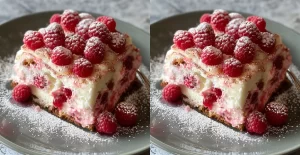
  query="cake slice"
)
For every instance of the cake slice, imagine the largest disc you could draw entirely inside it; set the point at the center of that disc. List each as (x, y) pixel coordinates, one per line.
(227, 67)
(77, 67)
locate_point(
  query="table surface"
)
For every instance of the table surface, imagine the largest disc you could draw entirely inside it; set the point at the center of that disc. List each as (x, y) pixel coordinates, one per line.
(137, 14)
(286, 12)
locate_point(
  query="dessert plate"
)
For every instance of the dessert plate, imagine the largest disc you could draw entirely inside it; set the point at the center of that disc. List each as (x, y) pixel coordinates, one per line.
(184, 131)
(30, 130)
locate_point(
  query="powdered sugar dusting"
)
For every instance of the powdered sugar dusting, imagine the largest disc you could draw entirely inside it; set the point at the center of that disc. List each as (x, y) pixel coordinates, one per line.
(234, 15)
(45, 127)
(86, 16)
(127, 108)
(118, 39)
(198, 129)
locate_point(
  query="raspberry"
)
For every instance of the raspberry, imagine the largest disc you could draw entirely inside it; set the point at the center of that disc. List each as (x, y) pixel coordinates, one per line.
(267, 42)
(54, 36)
(208, 99)
(21, 93)
(203, 35)
(67, 92)
(33, 40)
(75, 43)
(225, 43)
(211, 56)
(219, 19)
(40, 81)
(205, 18)
(190, 81)
(232, 27)
(98, 29)
(109, 22)
(128, 62)
(61, 56)
(250, 30)
(82, 28)
(60, 96)
(82, 67)
(276, 113)
(126, 114)
(259, 22)
(86, 16)
(94, 50)
(235, 15)
(278, 62)
(217, 91)
(232, 67)
(244, 50)
(118, 42)
(172, 93)
(69, 20)
(55, 18)
(106, 123)
(256, 123)
(260, 84)
(59, 99)
(183, 39)
(110, 85)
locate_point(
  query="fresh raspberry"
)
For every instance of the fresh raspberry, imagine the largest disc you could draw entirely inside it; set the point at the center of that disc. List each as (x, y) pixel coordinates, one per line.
(276, 113)
(267, 42)
(172, 93)
(21, 93)
(59, 99)
(225, 43)
(33, 40)
(232, 27)
(211, 56)
(86, 16)
(55, 18)
(190, 81)
(208, 99)
(126, 114)
(82, 28)
(40, 81)
(109, 22)
(106, 123)
(118, 42)
(94, 50)
(69, 20)
(205, 18)
(244, 50)
(219, 19)
(54, 35)
(82, 67)
(259, 22)
(234, 15)
(278, 62)
(183, 39)
(75, 43)
(98, 29)
(203, 35)
(250, 30)
(68, 92)
(232, 67)
(128, 62)
(61, 56)
(256, 123)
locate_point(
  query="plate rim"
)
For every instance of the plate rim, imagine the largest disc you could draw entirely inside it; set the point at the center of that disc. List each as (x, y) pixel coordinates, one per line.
(169, 148)
(21, 149)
